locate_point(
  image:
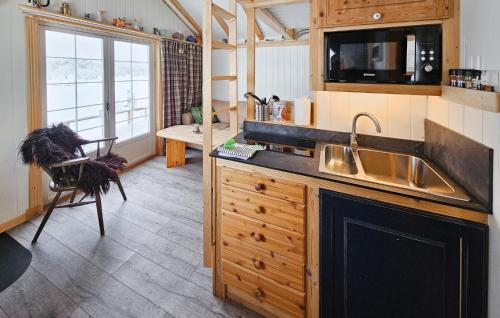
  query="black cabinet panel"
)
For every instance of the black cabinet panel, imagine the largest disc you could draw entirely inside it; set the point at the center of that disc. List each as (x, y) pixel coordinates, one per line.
(380, 260)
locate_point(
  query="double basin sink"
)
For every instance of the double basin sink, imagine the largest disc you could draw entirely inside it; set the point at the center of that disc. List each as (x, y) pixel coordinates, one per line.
(389, 169)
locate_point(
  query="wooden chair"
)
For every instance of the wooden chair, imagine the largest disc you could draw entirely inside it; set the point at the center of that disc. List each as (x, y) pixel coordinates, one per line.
(68, 183)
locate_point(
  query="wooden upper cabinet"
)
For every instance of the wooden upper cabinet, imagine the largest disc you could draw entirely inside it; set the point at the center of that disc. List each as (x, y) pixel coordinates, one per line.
(359, 12)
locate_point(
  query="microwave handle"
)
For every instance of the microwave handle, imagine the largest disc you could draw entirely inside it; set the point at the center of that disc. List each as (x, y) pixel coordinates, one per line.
(411, 47)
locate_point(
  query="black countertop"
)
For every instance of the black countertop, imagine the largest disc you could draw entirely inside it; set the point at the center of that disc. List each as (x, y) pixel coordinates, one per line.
(309, 166)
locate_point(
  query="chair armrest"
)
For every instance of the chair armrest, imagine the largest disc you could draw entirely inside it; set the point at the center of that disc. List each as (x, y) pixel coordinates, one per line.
(71, 162)
(98, 141)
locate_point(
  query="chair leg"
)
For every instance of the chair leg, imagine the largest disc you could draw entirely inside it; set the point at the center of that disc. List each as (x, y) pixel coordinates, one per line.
(46, 217)
(73, 195)
(119, 183)
(99, 212)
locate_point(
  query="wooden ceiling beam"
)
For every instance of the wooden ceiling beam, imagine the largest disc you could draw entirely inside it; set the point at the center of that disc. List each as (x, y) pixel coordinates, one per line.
(222, 23)
(185, 17)
(258, 32)
(270, 20)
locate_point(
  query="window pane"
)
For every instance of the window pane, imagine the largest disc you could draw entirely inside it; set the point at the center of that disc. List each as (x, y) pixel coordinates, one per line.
(88, 47)
(122, 107)
(92, 122)
(60, 96)
(59, 44)
(124, 130)
(141, 104)
(92, 134)
(60, 70)
(140, 53)
(90, 94)
(122, 51)
(123, 91)
(90, 71)
(90, 111)
(61, 116)
(140, 89)
(123, 71)
(122, 116)
(140, 71)
(141, 126)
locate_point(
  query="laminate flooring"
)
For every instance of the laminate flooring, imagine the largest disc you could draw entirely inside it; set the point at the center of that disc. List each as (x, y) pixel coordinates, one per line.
(149, 263)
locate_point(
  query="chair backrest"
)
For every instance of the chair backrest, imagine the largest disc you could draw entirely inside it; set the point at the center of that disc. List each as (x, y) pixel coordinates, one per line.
(51, 145)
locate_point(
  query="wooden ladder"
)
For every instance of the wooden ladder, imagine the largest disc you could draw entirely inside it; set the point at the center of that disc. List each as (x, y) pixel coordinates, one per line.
(227, 20)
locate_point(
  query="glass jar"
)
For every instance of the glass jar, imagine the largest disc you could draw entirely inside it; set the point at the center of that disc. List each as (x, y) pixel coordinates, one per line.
(453, 77)
(468, 78)
(476, 80)
(460, 78)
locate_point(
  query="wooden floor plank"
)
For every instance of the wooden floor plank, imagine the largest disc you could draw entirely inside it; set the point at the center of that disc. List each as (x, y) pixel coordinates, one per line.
(149, 264)
(33, 295)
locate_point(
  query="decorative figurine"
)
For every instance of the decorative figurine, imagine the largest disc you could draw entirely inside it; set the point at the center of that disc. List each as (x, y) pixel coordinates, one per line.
(65, 8)
(99, 15)
(119, 22)
(136, 25)
(156, 31)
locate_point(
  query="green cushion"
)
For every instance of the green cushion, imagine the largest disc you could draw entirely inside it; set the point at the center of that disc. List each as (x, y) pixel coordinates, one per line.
(197, 113)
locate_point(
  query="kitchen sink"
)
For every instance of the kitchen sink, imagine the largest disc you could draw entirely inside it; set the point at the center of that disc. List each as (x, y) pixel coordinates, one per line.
(401, 169)
(388, 169)
(339, 159)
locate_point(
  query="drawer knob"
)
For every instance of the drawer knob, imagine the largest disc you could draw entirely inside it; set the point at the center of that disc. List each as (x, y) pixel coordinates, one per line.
(258, 237)
(376, 16)
(321, 14)
(260, 186)
(260, 210)
(258, 264)
(258, 293)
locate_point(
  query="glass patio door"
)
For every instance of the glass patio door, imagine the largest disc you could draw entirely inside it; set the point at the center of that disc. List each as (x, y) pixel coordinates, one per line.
(100, 87)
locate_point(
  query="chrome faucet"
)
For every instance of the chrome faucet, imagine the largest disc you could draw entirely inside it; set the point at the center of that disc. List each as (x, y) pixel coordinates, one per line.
(354, 143)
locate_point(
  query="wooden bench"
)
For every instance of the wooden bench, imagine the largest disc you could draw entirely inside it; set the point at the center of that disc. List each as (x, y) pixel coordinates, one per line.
(178, 136)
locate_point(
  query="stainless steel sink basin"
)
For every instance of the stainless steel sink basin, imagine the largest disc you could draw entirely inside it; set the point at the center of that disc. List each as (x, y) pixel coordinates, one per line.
(400, 169)
(388, 169)
(339, 159)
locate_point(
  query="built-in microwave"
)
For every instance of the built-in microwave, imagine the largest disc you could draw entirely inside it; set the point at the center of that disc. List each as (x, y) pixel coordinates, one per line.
(395, 55)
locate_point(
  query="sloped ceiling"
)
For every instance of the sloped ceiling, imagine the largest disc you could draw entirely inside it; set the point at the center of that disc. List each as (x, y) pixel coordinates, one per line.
(295, 16)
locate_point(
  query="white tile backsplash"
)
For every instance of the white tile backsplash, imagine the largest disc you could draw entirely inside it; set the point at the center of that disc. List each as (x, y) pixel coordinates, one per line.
(473, 123)
(400, 116)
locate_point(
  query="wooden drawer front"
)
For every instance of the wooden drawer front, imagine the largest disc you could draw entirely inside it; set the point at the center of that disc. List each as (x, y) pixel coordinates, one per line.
(286, 214)
(264, 289)
(403, 12)
(262, 234)
(263, 262)
(278, 188)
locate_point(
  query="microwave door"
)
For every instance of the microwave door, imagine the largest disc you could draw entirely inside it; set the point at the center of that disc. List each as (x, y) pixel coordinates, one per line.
(411, 47)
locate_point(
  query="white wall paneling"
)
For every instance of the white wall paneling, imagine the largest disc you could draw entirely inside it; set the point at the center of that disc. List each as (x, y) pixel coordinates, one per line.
(149, 13)
(279, 70)
(13, 122)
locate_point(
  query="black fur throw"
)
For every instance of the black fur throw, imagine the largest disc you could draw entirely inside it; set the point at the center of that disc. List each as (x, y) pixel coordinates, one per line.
(46, 146)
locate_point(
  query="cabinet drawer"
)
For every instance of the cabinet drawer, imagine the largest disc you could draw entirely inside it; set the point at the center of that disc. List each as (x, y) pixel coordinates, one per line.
(286, 214)
(354, 13)
(263, 262)
(272, 238)
(255, 182)
(263, 289)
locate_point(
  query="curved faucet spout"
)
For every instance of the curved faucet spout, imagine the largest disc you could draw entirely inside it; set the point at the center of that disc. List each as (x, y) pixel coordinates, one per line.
(354, 143)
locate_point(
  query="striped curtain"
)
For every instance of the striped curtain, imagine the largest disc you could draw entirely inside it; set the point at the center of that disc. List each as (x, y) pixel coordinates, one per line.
(182, 79)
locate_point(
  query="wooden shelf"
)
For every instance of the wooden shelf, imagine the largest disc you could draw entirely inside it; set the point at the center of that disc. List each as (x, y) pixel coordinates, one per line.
(404, 89)
(487, 101)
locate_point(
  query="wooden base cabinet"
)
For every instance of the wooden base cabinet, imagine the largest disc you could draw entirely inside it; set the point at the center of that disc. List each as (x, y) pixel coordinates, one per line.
(381, 260)
(262, 242)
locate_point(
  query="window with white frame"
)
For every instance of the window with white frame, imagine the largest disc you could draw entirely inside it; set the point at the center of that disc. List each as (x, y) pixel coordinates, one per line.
(97, 85)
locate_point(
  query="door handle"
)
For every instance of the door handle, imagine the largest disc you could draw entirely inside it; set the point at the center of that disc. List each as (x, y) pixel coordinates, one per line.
(411, 47)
